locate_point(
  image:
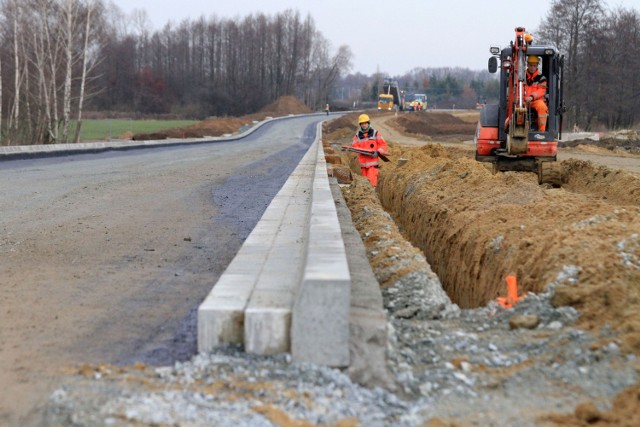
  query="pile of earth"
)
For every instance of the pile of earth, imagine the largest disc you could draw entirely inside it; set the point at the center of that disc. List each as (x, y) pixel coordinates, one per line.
(627, 141)
(435, 125)
(219, 126)
(428, 126)
(475, 228)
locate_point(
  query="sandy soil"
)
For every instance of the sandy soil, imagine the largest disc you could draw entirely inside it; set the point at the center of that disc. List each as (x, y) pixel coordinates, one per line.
(476, 227)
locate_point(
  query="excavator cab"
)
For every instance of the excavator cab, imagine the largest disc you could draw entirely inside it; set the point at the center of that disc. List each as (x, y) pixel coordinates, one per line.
(507, 134)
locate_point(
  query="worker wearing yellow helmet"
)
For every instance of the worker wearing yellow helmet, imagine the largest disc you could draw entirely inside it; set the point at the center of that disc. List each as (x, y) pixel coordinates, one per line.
(370, 140)
(536, 90)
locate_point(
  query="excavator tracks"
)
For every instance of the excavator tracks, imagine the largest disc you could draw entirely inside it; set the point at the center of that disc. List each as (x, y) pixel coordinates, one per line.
(550, 173)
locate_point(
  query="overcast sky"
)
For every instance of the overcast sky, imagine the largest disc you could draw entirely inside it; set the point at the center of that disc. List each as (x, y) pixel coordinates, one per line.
(390, 36)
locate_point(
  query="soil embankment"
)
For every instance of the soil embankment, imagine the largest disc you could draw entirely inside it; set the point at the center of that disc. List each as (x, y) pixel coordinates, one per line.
(475, 227)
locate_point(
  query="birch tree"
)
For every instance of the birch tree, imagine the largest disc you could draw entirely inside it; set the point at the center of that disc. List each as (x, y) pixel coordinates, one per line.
(15, 117)
(83, 78)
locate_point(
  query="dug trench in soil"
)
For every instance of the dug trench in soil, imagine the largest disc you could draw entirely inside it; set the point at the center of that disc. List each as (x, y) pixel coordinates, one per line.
(475, 228)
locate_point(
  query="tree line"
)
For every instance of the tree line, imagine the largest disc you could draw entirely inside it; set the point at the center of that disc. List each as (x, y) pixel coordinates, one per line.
(602, 59)
(60, 57)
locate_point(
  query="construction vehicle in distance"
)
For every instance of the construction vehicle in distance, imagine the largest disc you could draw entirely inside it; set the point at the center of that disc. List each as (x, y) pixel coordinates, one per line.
(420, 98)
(415, 102)
(507, 134)
(391, 95)
(385, 102)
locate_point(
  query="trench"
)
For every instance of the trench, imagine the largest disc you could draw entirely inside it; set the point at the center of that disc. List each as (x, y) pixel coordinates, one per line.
(474, 228)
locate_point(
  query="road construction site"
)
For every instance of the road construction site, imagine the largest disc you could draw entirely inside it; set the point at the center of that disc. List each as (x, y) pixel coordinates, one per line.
(441, 232)
(475, 227)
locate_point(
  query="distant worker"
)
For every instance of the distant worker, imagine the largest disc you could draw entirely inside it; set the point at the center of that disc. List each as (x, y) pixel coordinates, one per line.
(368, 138)
(326, 108)
(536, 90)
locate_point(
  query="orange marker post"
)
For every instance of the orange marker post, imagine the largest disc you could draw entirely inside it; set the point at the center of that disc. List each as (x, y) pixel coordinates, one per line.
(512, 297)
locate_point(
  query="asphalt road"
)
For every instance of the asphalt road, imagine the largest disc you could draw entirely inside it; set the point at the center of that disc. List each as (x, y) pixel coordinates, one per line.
(104, 258)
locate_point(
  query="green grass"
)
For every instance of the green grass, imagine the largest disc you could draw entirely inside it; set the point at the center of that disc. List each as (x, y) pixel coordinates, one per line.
(105, 129)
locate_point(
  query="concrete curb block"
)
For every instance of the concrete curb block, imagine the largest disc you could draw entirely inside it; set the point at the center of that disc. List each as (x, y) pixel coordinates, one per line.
(298, 297)
(320, 324)
(268, 314)
(251, 302)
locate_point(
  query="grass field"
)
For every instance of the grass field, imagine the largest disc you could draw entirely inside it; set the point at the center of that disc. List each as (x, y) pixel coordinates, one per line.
(105, 129)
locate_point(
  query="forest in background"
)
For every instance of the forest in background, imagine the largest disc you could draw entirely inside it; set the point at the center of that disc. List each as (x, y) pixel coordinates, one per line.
(61, 60)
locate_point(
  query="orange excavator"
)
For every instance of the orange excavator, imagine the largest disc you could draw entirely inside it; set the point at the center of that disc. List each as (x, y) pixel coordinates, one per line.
(507, 134)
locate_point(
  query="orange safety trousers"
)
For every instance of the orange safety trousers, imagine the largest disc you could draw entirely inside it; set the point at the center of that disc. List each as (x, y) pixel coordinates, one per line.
(543, 113)
(371, 172)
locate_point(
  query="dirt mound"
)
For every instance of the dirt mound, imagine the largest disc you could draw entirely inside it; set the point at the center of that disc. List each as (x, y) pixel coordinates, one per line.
(435, 124)
(629, 144)
(342, 129)
(286, 105)
(594, 181)
(475, 228)
(219, 126)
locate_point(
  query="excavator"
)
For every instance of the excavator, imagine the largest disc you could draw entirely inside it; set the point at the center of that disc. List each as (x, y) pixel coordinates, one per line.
(507, 134)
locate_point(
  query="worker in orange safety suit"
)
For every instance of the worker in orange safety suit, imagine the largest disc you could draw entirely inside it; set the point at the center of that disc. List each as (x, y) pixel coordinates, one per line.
(368, 138)
(535, 91)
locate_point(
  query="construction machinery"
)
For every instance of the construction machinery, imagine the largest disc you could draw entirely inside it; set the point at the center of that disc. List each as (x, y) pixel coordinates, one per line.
(385, 102)
(420, 100)
(415, 102)
(507, 134)
(391, 95)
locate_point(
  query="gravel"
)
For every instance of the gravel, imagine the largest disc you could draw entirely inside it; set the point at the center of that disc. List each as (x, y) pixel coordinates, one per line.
(467, 367)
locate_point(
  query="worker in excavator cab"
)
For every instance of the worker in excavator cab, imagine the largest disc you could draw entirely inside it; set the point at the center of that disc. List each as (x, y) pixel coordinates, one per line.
(536, 90)
(371, 140)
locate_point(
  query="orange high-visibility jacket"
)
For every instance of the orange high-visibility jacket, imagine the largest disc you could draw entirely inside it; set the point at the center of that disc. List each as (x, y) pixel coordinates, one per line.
(536, 85)
(372, 140)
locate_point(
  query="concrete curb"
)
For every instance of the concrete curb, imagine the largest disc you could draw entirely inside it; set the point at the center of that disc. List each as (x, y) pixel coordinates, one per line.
(295, 294)
(320, 324)
(251, 302)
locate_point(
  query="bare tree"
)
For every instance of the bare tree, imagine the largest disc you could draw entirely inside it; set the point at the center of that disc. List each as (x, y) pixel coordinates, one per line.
(83, 78)
(1, 99)
(567, 24)
(13, 124)
(205, 67)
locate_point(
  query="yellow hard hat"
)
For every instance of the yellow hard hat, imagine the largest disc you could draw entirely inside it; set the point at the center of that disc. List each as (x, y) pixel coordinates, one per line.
(533, 59)
(363, 118)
